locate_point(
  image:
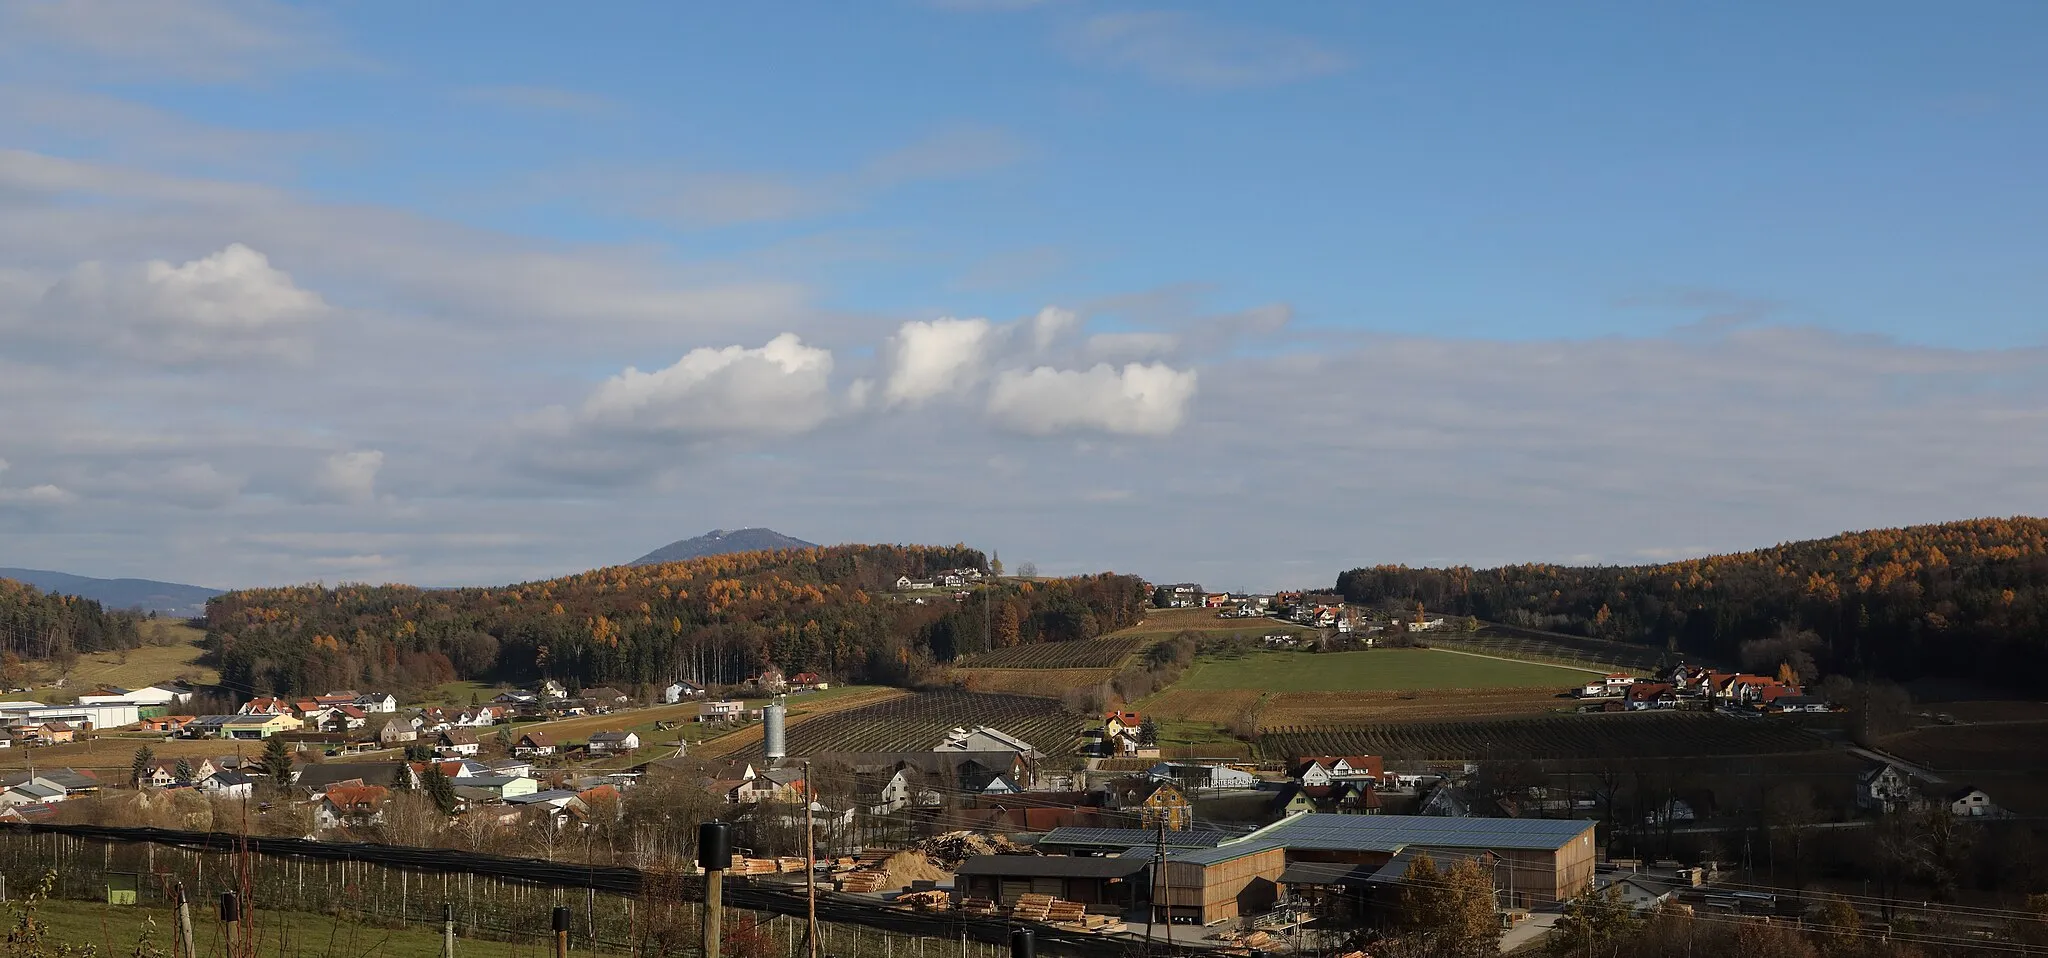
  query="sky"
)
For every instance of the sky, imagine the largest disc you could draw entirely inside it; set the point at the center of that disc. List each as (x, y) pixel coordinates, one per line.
(1245, 294)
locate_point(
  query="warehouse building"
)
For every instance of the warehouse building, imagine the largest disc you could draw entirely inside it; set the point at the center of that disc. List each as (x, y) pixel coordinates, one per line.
(1537, 860)
(1107, 886)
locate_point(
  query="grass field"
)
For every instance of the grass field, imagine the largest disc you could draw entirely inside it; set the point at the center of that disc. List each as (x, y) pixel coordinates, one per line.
(170, 649)
(1344, 708)
(1370, 670)
(114, 929)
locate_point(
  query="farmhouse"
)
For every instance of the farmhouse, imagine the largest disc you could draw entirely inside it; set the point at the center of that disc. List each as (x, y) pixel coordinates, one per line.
(721, 710)
(679, 690)
(457, 742)
(612, 743)
(532, 744)
(1970, 802)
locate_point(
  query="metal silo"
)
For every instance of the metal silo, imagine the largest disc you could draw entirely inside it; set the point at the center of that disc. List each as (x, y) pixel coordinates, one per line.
(773, 740)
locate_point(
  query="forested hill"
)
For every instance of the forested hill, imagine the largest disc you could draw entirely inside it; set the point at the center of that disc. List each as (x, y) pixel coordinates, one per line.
(1966, 599)
(39, 625)
(715, 619)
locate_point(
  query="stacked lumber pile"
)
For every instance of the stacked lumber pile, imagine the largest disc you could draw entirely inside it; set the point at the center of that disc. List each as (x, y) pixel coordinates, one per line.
(864, 882)
(1065, 911)
(1032, 907)
(759, 866)
(926, 900)
(871, 857)
(978, 906)
(788, 864)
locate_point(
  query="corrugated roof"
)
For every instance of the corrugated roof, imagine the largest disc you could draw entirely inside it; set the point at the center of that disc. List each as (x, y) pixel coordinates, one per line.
(1391, 833)
(1131, 837)
(1050, 866)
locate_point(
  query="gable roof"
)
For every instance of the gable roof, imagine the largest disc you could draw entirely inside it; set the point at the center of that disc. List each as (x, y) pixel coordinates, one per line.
(536, 740)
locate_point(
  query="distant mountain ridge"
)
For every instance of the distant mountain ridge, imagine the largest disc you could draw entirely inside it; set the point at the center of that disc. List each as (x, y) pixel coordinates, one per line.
(149, 595)
(721, 542)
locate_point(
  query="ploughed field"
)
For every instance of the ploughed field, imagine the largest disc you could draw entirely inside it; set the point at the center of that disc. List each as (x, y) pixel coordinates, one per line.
(916, 722)
(1633, 735)
(1371, 669)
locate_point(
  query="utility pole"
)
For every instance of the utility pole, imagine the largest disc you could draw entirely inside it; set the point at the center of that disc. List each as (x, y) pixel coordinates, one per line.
(810, 865)
(714, 854)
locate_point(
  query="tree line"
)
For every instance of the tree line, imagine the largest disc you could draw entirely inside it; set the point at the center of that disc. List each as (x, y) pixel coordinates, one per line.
(43, 625)
(715, 620)
(1961, 599)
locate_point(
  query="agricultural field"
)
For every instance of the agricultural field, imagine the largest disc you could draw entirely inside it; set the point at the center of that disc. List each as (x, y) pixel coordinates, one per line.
(1044, 683)
(916, 722)
(1371, 669)
(1967, 750)
(1303, 709)
(1654, 734)
(1105, 652)
(1215, 706)
(170, 649)
(1166, 622)
(1571, 651)
(801, 709)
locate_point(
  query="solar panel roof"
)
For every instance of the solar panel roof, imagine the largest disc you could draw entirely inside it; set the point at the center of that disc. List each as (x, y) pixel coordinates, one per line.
(1131, 837)
(1391, 833)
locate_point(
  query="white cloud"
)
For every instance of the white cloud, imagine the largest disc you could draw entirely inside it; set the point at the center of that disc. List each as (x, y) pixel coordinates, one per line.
(1183, 49)
(1051, 324)
(203, 40)
(43, 494)
(930, 359)
(349, 477)
(781, 388)
(232, 304)
(1137, 400)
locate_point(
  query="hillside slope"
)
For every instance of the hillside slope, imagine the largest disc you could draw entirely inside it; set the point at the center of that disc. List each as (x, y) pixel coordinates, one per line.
(148, 595)
(723, 542)
(1964, 599)
(716, 619)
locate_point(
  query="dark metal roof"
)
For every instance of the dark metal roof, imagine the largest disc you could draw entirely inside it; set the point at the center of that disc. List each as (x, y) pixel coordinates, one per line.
(1071, 836)
(1050, 866)
(1391, 833)
(1327, 873)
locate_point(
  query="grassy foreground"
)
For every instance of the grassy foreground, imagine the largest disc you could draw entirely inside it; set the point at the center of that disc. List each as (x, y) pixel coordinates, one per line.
(114, 930)
(1370, 669)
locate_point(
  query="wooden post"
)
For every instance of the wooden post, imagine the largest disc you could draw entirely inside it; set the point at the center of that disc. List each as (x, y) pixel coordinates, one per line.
(447, 930)
(714, 854)
(185, 922)
(810, 865)
(561, 931)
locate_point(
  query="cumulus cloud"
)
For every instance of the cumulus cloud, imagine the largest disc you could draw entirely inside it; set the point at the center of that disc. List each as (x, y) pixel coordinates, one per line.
(232, 304)
(349, 476)
(781, 388)
(929, 359)
(1137, 400)
(1051, 324)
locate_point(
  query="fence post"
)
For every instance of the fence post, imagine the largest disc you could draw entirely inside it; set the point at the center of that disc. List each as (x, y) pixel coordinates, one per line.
(561, 931)
(185, 922)
(447, 930)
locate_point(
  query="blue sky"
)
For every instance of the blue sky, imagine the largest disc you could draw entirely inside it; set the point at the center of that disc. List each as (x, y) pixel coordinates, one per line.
(1586, 281)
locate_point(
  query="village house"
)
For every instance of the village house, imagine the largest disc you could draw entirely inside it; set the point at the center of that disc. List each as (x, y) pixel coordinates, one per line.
(1650, 695)
(169, 724)
(376, 702)
(457, 742)
(722, 710)
(881, 791)
(612, 743)
(679, 690)
(226, 784)
(551, 689)
(1970, 802)
(770, 682)
(351, 806)
(533, 744)
(807, 682)
(1180, 595)
(267, 705)
(604, 698)
(398, 731)
(52, 733)
(1884, 788)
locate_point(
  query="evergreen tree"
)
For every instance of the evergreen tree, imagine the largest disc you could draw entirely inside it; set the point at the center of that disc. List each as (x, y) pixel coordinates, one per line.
(401, 778)
(184, 770)
(277, 760)
(1148, 732)
(138, 770)
(440, 788)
